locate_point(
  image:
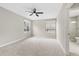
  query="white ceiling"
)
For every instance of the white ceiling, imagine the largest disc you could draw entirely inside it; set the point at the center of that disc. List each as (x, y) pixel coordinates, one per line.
(50, 10)
(74, 10)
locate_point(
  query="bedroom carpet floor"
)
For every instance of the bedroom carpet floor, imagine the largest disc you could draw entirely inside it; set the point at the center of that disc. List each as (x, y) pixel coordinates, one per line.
(33, 47)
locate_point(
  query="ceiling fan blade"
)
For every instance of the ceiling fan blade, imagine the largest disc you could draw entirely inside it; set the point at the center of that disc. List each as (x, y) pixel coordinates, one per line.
(39, 12)
(37, 15)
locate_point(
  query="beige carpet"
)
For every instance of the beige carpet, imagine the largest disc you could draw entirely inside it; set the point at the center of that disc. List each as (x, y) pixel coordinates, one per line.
(34, 46)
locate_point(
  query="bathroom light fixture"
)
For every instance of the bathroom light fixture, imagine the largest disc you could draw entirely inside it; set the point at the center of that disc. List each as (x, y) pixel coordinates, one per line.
(73, 21)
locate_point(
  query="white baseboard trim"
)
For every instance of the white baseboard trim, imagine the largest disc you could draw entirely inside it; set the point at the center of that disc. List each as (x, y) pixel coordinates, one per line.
(12, 42)
(62, 47)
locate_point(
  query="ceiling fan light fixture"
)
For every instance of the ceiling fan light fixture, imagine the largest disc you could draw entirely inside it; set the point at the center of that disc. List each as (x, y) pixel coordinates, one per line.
(34, 11)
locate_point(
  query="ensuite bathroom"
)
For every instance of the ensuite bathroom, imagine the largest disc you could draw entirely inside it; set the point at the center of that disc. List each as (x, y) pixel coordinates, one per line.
(74, 35)
(74, 29)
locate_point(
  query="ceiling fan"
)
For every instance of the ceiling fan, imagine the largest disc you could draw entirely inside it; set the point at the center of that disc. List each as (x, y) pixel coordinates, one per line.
(34, 11)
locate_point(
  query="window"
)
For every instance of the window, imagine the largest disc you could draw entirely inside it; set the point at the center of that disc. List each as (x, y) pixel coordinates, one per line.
(26, 26)
(51, 26)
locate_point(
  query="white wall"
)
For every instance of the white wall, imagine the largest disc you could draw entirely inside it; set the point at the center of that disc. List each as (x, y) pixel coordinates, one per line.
(62, 27)
(39, 28)
(11, 27)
